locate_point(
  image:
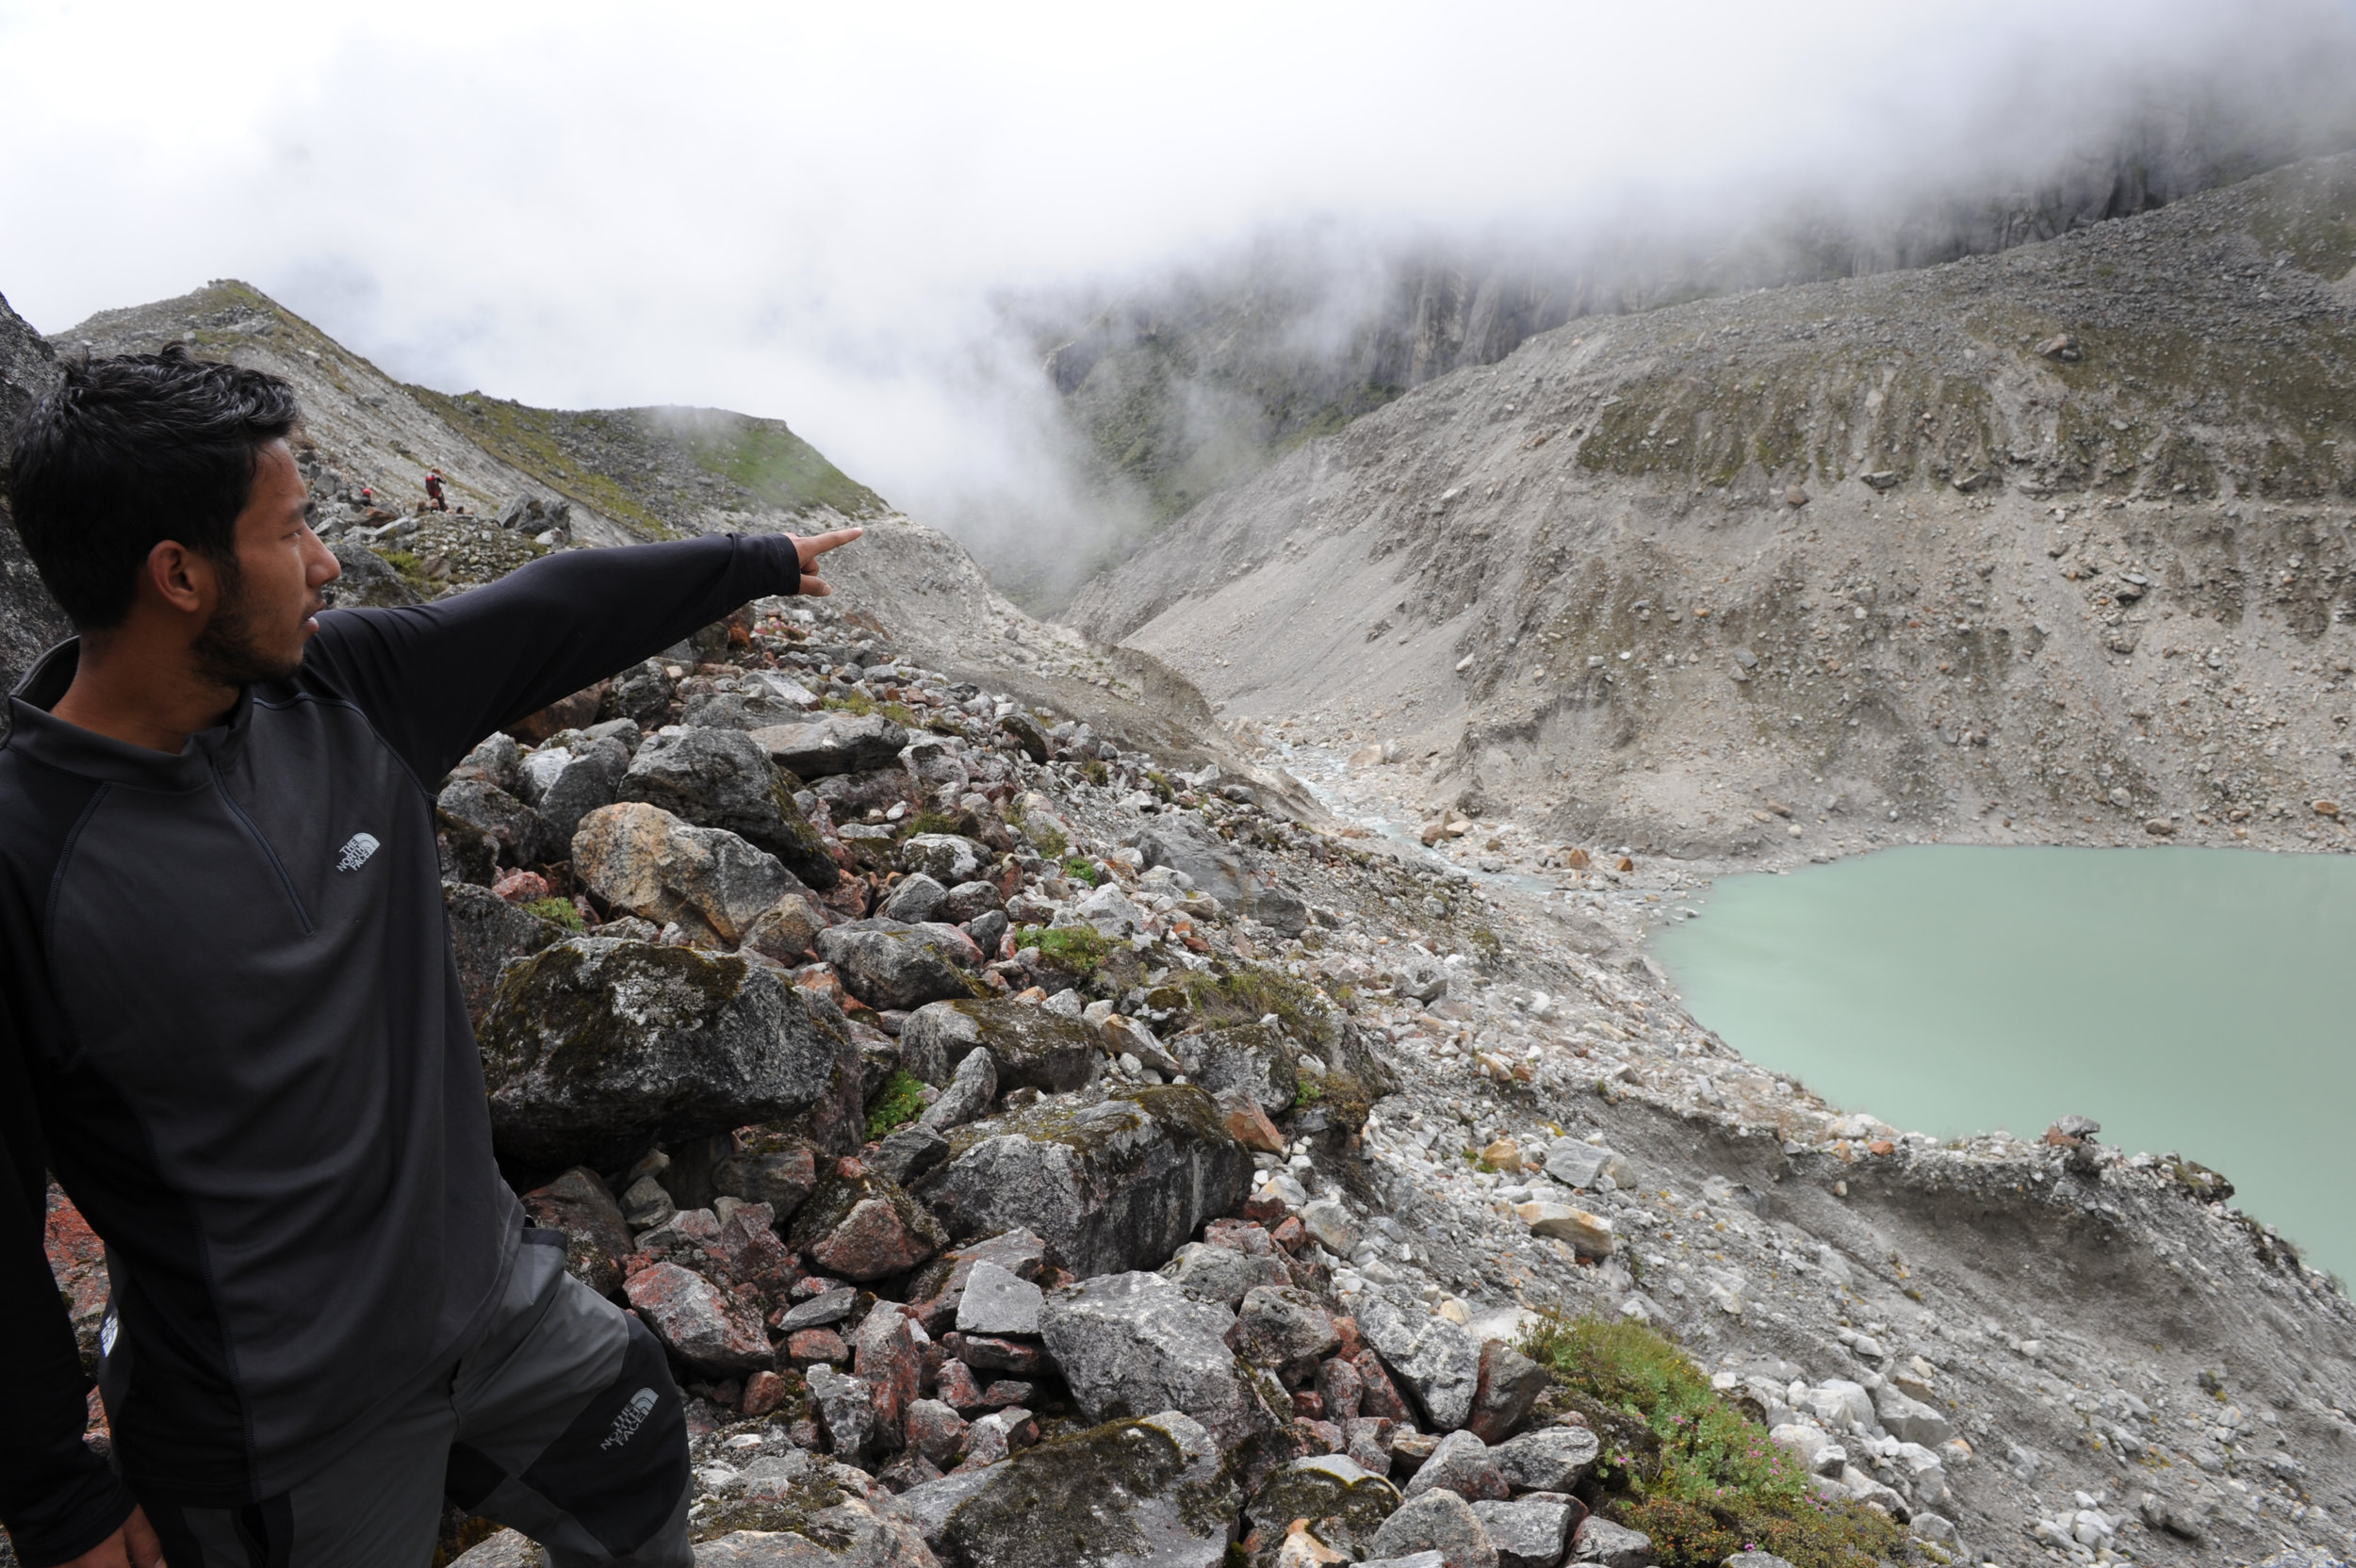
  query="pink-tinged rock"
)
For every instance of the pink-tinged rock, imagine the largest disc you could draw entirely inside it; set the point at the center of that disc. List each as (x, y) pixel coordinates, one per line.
(1006, 1394)
(997, 1435)
(1291, 1234)
(888, 1353)
(1367, 1441)
(521, 886)
(906, 1471)
(1319, 1437)
(935, 1430)
(704, 1326)
(863, 1227)
(751, 1251)
(1308, 1405)
(805, 1347)
(764, 1392)
(1378, 1395)
(957, 1388)
(1339, 1388)
(1510, 1384)
(984, 1353)
(1239, 1235)
(577, 1204)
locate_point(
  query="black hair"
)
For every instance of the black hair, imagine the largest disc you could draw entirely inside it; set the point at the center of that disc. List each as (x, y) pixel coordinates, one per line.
(127, 452)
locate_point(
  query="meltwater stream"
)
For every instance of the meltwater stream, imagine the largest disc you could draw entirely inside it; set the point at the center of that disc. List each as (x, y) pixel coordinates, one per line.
(2196, 1000)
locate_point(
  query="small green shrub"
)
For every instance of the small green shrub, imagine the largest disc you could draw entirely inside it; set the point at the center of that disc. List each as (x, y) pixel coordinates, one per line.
(1050, 839)
(1070, 947)
(1686, 1467)
(899, 1102)
(1079, 870)
(1095, 772)
(928, 822)
(556, 910)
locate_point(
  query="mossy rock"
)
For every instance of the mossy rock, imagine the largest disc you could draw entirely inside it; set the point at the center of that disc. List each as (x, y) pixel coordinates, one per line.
(1150, 1490)
(1110, 1184)
(593, 1049)
(1344, 1504)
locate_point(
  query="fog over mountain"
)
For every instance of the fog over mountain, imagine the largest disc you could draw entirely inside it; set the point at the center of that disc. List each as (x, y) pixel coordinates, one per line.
(879, 229)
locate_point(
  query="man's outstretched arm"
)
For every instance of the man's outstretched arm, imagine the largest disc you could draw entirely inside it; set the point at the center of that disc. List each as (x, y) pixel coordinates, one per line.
(57, 1499)
(437, 677)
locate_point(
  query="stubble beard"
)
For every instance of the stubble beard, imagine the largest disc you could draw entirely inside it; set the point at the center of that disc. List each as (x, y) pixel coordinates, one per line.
(227, 651)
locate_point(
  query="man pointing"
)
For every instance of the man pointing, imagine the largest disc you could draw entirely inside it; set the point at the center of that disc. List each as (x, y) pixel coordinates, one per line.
(238, 1042)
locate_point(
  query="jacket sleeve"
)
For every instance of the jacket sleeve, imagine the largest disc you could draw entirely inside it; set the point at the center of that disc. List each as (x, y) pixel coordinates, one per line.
(57, 1497)
(435, 679)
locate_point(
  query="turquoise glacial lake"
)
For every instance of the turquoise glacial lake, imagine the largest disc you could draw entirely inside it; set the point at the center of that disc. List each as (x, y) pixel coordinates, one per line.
(2196, 1000)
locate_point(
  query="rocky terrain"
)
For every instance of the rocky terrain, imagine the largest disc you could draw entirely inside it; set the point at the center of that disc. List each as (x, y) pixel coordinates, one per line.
(1177, 391)
(1039, 1135)
(1023, 1125)
(2046, 546)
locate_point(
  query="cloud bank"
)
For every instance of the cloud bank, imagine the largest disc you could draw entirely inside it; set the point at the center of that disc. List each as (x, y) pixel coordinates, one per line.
(818, 215)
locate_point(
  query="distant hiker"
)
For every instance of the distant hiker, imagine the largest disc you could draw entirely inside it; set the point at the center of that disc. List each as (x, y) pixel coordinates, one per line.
(229, 1024)
(434, 490)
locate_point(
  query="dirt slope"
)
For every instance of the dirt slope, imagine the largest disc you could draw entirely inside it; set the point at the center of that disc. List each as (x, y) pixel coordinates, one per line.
(2075, 595)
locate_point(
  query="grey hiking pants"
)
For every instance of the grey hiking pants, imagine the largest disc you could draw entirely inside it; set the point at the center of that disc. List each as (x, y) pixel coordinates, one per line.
(562, 1422)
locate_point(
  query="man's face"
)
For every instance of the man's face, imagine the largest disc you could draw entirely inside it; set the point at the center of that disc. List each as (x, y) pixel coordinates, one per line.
(269, 602)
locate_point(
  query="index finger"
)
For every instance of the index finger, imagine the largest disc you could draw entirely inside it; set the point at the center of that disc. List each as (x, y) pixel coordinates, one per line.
(816, 544)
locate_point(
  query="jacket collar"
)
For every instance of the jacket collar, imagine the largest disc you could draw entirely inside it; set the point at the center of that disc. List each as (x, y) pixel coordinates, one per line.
(41, 735)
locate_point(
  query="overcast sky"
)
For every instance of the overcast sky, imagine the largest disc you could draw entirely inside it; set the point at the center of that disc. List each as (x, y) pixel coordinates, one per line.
(804, 211)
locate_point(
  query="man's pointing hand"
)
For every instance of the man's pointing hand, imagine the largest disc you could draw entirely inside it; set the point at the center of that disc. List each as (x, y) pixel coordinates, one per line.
(816, 544)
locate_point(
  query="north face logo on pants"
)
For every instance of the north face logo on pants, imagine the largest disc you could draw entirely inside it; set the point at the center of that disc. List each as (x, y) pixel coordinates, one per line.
(355, 852)
(632, 1417)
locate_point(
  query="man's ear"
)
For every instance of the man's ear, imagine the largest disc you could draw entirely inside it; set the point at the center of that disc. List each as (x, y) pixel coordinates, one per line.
(182, 578)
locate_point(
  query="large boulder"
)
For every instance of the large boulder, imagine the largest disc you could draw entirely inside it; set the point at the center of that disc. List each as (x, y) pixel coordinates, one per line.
(30, 621)
(488, 933)
(1119, 1185)
(722, 779)
(1149, 1493)
(565, 783)
(1030, 1046)
(1127, 1343)
(595, 1048)
(890, 965)
(1434, 1360)
(1184, 843)
(642, 859)
(863, 1227)
(830, 744)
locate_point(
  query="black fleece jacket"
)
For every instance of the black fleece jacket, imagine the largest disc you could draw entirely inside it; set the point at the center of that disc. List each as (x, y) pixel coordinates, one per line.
(230, 1024)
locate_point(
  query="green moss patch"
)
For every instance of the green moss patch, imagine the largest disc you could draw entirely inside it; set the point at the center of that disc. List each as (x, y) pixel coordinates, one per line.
(1075, 949)
(1687, 1469)
(559, 911)
(897, 1102)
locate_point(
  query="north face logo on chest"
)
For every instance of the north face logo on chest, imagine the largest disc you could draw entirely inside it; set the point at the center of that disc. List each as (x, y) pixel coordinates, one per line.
(355, 852)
